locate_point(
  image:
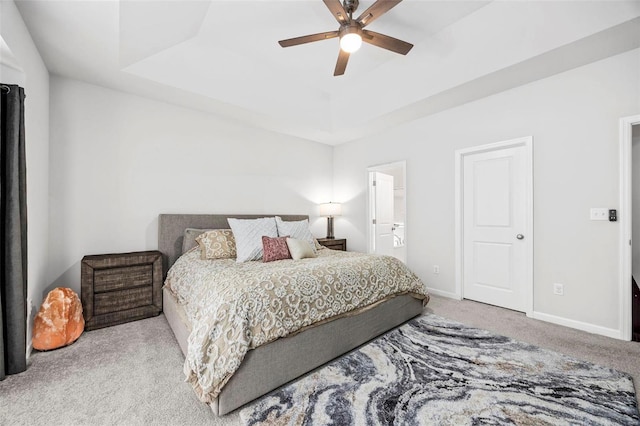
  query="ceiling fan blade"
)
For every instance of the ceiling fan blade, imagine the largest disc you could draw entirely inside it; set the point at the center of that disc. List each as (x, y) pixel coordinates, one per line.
(308, 38)
(337, 10)
(341, 65)
(386, 42)
(376, 10)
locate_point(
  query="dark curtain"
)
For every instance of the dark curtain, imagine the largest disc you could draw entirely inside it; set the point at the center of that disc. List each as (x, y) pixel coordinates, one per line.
(13, 233)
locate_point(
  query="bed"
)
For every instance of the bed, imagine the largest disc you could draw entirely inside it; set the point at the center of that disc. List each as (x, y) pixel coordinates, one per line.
(273, 364)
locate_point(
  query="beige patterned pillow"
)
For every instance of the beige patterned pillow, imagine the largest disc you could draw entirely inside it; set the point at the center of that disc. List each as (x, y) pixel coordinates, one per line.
(217, 244)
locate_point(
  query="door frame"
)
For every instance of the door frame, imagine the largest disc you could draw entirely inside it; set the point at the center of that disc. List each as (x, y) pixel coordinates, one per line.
(460, 155)
(381, 168)
(625, 216)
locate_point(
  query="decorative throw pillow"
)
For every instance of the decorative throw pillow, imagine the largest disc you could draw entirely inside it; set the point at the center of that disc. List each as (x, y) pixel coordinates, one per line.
(299, 249)
(217, 244)
(189, 238)
(275, 249)
(296, 229)
(248, 234)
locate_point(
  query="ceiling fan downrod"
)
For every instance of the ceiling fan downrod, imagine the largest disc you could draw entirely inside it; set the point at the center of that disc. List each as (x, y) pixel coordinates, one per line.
(350, 6)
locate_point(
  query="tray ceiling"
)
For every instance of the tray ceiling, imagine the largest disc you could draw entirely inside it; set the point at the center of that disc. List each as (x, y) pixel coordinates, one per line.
(223, 56)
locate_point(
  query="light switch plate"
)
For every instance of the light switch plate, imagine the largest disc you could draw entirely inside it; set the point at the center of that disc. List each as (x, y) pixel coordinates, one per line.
(599, 213)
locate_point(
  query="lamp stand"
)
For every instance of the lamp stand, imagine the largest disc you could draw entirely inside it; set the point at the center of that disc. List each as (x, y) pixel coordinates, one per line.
(330, 228)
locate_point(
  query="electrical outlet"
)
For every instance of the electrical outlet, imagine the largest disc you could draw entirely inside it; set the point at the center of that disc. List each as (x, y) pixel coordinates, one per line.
(558, 289)
(436, 269)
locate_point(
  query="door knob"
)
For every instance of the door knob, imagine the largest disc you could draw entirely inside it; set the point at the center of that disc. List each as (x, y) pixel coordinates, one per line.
(520, 237)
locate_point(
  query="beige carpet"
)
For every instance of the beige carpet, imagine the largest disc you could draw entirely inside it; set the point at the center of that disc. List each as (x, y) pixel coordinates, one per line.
(131, 374)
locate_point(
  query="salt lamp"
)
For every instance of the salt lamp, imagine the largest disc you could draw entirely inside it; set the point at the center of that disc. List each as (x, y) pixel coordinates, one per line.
(59, 321)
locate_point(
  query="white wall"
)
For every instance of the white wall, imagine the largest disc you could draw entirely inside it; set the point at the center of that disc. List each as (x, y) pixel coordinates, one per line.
(573, 118)
(118, 160)
(635, 196)
(34, 77)
(11, 75)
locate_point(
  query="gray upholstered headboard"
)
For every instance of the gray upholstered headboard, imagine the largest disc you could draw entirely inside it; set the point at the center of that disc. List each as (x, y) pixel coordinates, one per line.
(171, 230)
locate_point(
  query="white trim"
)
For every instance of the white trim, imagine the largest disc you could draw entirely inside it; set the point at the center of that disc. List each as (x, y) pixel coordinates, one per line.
(381, 168)
(584, 326)
(443, 293)
(527, 142)
(625, 217)
(370, 245)
(457, 217)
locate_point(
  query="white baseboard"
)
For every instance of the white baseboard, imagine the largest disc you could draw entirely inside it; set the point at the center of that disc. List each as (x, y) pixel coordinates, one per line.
(584, 326)
(579, 325)
(443, 293)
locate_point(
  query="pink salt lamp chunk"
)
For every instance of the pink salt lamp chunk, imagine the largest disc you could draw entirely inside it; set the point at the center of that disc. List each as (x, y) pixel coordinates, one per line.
(59, 321)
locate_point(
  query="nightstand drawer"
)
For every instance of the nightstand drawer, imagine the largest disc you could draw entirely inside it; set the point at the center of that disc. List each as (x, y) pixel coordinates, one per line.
(119, 278)
(121, 300)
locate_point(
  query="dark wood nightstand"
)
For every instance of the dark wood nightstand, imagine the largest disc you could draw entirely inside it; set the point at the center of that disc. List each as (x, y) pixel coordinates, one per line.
(118, 288)
(334, 243)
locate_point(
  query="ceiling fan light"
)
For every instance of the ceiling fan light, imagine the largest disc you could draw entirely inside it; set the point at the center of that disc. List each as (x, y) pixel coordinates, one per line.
(350, 42)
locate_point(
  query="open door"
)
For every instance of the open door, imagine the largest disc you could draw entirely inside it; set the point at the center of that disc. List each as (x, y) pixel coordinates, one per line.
(629, 207)
(634, 214)
(382, 213)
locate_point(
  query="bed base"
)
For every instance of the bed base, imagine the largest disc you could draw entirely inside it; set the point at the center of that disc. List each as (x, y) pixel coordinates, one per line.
(277, 363)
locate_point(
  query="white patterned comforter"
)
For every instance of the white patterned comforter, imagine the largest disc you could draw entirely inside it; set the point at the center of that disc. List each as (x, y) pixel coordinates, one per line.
(234, 307)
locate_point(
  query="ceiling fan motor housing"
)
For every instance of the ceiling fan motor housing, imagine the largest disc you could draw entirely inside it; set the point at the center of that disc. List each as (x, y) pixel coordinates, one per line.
(352, 27)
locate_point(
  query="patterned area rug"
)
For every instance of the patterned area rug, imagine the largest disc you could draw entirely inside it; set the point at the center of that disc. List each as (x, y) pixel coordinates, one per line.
(432, 371)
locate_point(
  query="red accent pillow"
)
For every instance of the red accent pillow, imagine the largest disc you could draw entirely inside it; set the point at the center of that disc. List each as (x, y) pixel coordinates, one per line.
(275, 248)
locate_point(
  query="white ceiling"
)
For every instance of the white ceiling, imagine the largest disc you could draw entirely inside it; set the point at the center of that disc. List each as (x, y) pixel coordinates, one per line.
(223, 56)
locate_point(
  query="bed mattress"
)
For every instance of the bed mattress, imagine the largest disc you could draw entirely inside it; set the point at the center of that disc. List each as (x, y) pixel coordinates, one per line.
(237, 306)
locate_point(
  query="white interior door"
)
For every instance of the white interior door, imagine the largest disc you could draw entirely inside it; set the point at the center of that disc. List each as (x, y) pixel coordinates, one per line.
(495, 244)
(383, 213)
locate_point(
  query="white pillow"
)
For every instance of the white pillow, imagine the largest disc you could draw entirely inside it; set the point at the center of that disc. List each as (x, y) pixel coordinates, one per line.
(297, 229)
(299, 249)
(248, 234)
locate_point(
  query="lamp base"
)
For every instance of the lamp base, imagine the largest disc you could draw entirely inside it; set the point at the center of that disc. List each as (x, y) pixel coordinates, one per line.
(330, 235)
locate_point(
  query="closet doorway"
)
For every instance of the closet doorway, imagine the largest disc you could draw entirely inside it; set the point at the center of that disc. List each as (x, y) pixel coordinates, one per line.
(635, 236)
(387, 230)
(630, 229)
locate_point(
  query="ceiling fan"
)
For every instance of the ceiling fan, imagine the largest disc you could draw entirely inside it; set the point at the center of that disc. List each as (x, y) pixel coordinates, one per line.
(352, 32)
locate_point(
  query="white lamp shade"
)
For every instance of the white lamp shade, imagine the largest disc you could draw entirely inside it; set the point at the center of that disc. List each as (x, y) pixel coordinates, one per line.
(330, 209)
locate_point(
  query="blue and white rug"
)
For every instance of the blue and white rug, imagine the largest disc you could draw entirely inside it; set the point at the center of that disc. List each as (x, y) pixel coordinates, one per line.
(432, 371)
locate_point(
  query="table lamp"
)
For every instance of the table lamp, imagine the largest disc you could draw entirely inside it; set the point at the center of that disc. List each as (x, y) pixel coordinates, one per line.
(329, 210)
